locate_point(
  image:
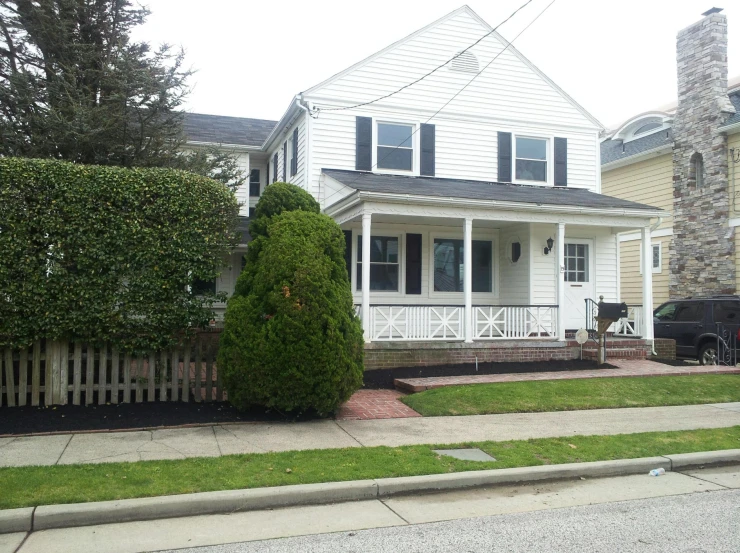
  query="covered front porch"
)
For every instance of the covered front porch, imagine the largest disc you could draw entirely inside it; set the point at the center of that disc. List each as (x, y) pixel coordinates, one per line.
(458, 269)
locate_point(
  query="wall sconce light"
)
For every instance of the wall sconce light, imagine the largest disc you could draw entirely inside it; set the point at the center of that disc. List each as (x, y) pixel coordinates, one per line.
(549, 246)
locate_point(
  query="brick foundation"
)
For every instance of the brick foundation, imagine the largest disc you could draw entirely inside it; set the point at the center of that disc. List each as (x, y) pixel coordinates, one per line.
(664, 348)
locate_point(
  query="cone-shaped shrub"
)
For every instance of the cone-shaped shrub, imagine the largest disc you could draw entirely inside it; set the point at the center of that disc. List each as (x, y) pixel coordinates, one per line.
(293, 342)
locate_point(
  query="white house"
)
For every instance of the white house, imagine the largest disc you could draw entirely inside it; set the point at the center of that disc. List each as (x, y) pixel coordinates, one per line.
(476, 191)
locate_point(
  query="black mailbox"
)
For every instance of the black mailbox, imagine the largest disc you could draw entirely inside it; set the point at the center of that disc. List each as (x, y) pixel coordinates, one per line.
(612, 311)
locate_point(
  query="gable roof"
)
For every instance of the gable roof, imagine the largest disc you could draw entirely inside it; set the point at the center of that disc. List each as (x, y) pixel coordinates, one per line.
(508, 46)
(219, 129)
(480, 190)
(616, 150)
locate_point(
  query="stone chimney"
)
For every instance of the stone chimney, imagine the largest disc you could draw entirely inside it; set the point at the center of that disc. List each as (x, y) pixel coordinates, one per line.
(702, 249)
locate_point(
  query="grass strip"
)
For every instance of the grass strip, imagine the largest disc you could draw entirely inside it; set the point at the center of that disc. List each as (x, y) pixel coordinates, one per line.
(576, 394)
(43, 485)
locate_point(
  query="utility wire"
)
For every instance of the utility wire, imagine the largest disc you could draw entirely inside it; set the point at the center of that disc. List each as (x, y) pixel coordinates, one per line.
(430, 72)
(509, 43)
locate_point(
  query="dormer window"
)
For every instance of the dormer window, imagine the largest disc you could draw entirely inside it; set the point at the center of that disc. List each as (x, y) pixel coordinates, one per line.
(395, 146)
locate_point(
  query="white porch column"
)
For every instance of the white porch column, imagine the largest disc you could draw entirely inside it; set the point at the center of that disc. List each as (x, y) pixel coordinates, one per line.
(468, 278)
(647, 284)
(366, 275)
(560, 276)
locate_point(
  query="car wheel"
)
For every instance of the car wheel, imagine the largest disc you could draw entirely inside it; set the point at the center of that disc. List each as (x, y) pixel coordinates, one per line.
(708, 354)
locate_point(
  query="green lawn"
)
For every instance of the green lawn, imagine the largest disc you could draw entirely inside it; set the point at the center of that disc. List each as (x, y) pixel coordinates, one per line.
(31, 486)
(568, 395)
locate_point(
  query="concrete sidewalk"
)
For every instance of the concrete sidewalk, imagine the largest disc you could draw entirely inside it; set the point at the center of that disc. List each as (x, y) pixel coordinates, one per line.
(213, 441)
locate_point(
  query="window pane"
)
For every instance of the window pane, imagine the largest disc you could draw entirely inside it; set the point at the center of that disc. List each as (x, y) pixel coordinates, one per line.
(382, 277)
(531, 148)
(383, 249)
(531, 170)
(394, 135)
(392, 158)
(201, 287)
(656, 257)
(687, 312)
(666, 312)
(482, 266)
(448, 269)
(727, 312)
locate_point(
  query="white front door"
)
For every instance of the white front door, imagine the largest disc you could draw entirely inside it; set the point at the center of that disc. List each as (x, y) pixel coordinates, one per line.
(579, 281)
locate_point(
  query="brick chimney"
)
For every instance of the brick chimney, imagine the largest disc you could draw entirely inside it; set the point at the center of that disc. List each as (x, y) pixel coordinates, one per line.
(702, 249)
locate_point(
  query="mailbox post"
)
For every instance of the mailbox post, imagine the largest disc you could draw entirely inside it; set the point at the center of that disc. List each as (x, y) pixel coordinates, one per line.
(609, 313)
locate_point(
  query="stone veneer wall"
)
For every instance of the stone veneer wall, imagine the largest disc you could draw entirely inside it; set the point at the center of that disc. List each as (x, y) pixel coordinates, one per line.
(702, 252)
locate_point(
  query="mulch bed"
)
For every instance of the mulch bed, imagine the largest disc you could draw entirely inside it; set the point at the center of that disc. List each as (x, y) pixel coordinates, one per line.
(383, 378)
(26, 420)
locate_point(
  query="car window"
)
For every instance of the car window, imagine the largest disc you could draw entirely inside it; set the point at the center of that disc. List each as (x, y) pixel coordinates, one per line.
(689, 312)
(665, 312)
(727, 312)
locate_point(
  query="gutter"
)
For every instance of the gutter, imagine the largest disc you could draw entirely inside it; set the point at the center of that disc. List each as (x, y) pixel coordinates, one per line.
(300, 101)
(729, 128)
(663, 149)
(242, 147)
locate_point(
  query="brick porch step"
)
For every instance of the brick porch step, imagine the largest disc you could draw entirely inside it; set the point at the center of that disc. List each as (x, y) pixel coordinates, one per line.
(625, 368)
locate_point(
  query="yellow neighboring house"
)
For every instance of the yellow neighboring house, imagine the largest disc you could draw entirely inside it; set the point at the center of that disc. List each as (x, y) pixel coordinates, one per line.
(684, 159)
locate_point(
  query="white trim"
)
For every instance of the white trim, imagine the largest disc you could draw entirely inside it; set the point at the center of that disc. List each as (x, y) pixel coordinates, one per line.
(730, 129)
(659, 268)
(239, 147)
(625, 130)
(629, 237)
(415, 145)
(647, 154)
(401, 237)
(734, 221)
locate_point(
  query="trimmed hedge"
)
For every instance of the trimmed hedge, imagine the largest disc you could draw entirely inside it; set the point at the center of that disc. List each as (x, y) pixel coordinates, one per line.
(276, 199)
(293, 343)
(106, 254)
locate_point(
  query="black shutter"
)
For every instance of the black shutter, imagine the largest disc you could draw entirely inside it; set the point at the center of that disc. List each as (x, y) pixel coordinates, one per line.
(364, 144)
(274, 167)
(294, 159)
(413, 263)
(427, 150)
(504, 157)
(285, 160)
(348, 253)
(561, 162)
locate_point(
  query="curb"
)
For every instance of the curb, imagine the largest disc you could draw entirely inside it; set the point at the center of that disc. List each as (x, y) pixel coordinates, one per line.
(229, 501)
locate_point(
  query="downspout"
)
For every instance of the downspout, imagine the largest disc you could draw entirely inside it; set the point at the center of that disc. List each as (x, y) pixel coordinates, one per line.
(653, 228)
(299, 101)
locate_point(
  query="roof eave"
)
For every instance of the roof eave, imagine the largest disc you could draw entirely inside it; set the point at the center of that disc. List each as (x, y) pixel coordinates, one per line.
(641, 156)
(244, 147)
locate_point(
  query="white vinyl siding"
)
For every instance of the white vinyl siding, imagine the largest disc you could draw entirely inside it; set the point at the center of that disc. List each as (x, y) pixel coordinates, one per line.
(515, 276)
(277, 147)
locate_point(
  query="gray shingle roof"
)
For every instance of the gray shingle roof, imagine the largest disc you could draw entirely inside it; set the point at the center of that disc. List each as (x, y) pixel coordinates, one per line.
(479, 190)
(611, 150)
(735, 99)
(219, 129)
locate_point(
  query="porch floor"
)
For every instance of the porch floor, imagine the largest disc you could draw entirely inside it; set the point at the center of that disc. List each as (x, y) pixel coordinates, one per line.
(625, 368)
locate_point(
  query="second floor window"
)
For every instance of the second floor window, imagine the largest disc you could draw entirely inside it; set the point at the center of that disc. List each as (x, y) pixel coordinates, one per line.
(395, 147)
(254, 183)
(531, 159)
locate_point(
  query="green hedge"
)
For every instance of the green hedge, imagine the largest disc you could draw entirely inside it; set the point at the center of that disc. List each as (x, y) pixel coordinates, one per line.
(293, 342)
(105, 253)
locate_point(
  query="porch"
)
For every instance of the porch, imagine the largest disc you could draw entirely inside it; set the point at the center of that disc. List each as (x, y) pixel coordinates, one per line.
(445, 268)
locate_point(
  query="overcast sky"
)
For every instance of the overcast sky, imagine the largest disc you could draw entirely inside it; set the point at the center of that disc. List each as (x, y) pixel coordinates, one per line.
(616, 58)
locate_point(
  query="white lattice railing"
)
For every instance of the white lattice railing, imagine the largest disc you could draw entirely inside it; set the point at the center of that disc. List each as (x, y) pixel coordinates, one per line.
(632, 324)
(416, 322)
(513, 322)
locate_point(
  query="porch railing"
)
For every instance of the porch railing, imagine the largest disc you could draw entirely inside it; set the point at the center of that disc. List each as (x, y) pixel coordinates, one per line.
(515, 321)
(632, 324)
(447, 322)
(416, 322)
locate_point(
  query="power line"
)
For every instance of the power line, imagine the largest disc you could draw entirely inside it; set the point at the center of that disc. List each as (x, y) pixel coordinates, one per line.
(509, 43)
(433, 70)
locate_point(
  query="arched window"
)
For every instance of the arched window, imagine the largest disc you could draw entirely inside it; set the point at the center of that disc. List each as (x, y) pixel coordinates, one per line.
(646, 128)
(696, 169)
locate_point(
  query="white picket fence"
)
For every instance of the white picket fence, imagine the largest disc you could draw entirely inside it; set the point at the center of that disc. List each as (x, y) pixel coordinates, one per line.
(55, 373)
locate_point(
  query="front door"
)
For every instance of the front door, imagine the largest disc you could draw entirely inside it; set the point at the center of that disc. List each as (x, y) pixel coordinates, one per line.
(579, 281)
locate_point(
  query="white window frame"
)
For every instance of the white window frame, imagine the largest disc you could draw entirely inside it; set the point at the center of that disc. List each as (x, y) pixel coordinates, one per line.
(415, 145)
(653, 245)
(356, 235)
(477, 296)
(550, 154)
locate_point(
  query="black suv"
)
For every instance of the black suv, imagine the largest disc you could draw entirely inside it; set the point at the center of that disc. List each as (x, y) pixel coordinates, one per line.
(692, 323)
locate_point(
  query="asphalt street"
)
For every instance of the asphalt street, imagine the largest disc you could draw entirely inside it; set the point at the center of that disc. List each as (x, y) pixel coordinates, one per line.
(694, 523)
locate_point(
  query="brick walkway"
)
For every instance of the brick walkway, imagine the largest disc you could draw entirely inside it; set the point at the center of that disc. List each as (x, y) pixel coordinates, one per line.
(640, 367)
(375, 404)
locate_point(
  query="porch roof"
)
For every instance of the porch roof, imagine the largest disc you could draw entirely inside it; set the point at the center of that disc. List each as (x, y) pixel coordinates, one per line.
(480, 190)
